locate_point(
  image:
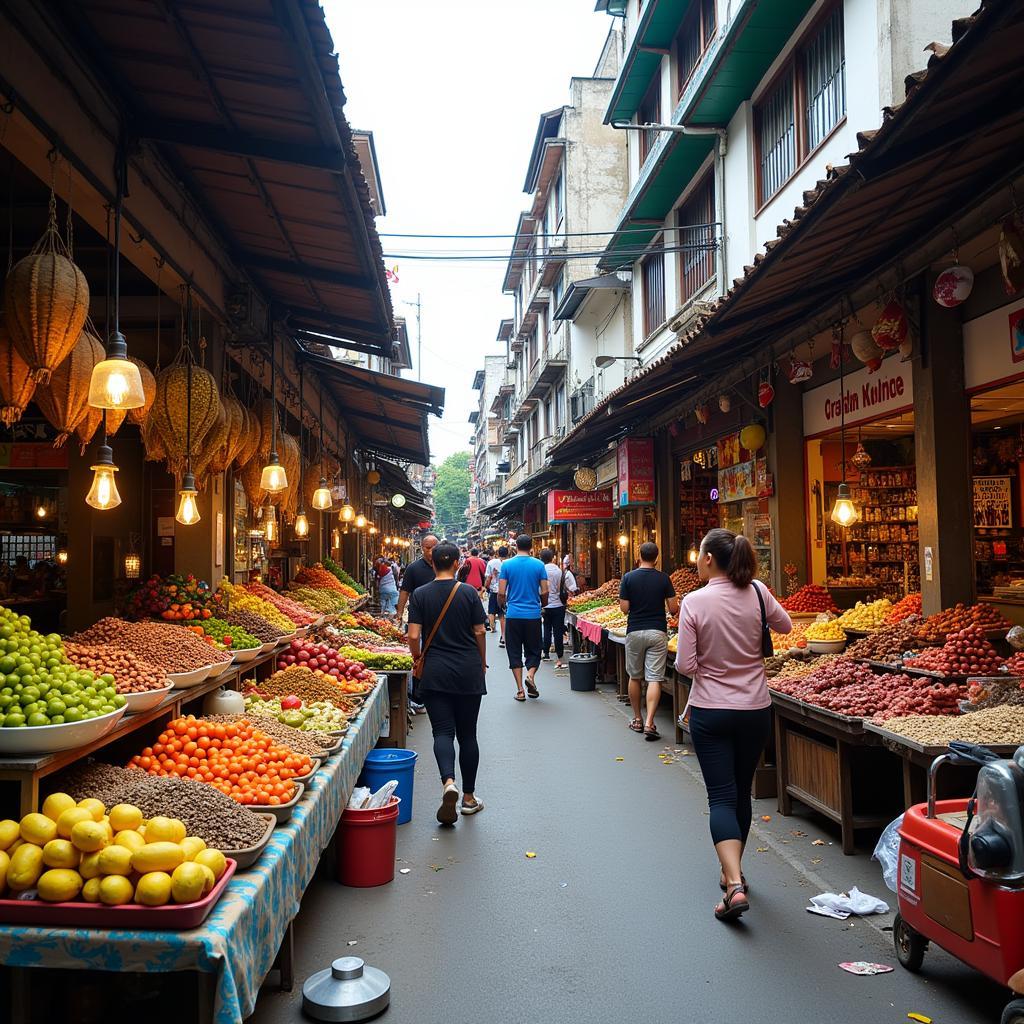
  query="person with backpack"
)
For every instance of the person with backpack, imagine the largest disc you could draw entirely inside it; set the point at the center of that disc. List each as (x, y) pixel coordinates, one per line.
(561, 586)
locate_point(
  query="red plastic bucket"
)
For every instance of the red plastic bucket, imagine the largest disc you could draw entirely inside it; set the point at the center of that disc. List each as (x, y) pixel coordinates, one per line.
(366, 845)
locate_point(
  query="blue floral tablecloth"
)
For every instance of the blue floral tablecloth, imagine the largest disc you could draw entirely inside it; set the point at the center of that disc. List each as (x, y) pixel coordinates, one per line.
(239, 940)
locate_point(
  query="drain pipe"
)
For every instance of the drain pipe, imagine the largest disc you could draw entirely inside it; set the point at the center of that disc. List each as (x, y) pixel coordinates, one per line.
(720, 150)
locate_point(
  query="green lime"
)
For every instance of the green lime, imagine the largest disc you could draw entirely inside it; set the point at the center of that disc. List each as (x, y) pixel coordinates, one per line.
(37, 718)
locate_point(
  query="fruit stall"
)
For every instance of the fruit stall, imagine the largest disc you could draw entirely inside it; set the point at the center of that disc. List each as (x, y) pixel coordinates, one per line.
(169, 780)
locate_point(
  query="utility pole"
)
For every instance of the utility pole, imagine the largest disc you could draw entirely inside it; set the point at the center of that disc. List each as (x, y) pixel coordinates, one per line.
(419, 333)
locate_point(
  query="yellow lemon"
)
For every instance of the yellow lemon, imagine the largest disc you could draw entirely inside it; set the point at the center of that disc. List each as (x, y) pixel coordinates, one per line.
(105, 825)
(165, 830)
(59, 885)
(213, 859)
(157, 857)
(26, 867)
(56, 804)
(38, 828)
(130, 839)
(89, 836)
(69, 819)
(5, 863)
(187, 883)
(154, 889)
(59, 853)
(125, 816)
(17, 842)
(9, 831)
(91, 890)
(115, 890)
(89, 867)
(94, 807)
(192, 845)
(115, 860)
(208, 880)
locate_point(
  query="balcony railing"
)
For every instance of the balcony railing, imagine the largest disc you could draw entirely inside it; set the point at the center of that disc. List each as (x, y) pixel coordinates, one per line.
(549, 368)
(515, 478)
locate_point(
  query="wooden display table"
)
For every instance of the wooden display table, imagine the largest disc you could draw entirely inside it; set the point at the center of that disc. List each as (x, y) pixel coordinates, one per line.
(396, 727)
(833, 765)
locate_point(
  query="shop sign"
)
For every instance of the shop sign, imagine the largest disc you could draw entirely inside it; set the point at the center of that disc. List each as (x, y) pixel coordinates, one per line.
(867, 396)
(32, 456)
(994, 347)
(736, 483)
(578, 506)
(607, 471)
(992, 502)
(636, 471)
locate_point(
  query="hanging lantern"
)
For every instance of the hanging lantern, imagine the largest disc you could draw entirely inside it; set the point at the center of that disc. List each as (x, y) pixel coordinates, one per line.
(322, 496)
(188, 510)
(891, 328)
(866, 350)
(765, 394)
(724, 403)
(132, 566)
(1011, 253)
(800, 370)
(103, 493)
(335, 538)
(301, 526)
(753, 437)
(860, 459)
(62, 556)
(346, 513)
(703, 413)
(116, 382)
(373, 477)
(360, 521)
(953, 286)
(844, 512)
(693, 554)
(623, 540)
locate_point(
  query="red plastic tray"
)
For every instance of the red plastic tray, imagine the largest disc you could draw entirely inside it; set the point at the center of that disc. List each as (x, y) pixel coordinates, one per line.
(173, 917)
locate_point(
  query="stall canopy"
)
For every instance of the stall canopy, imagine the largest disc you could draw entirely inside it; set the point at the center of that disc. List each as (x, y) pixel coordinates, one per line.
(244, 100)
(395, 480)
(954, 142)
(388, 414)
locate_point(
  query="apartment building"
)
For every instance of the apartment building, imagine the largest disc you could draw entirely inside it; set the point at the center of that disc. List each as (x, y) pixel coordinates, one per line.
(762, 97)
(486, 439)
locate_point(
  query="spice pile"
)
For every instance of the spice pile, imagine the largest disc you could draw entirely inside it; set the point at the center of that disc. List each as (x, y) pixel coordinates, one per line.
(993, 726)
(131, 674)
(172, 648)
(307, 685)
(239, 599)
(966, 652)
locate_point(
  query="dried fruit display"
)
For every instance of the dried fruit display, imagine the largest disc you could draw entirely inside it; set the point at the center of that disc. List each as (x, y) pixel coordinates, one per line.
(965, 652)
(686, 579)
(889, 643)
(937, 627)
(601, 595)
(866, 617)
(825, 631)
(903, 609)
(811, 597)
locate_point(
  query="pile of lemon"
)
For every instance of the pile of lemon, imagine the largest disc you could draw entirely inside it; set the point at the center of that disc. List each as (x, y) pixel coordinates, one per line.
(866, 617)
(77, 849)
(825, 631)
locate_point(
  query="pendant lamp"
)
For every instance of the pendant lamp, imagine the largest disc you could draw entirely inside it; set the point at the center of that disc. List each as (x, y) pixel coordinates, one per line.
(347, 513)
(188, 510)
(301, 522)
(116, 382)
(360, 521)
(273, 479)
(844, 512)
(322, 500)
(103, 493)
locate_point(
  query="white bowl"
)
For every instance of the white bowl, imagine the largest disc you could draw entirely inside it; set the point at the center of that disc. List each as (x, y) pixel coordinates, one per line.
(269, 646)
(147, 699)
(46, 739)
(218, 668)
(287, 638)
(183, 680)
(826, 646)
(247, 654)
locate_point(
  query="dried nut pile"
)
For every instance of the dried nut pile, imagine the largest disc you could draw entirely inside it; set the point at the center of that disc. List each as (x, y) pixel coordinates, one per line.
(937, 627)
(131, 674)
(888, 644)
(172, 648)
(312, 743)
(795, 668)
(866, 617)
(207, 812)
(685, 580)
(254, 624)
(307, 686)
(995, 695)
(1000, 725)
(825, 631)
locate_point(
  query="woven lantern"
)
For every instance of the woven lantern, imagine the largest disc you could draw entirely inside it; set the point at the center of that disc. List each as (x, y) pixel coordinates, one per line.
(138, 416)
(324, 467)
(46, 301)
(291, 459)
(152, 443)
(249, 441)
(16, 383)
(213, 445)
(64, 400)
(250, 476)
(235, 421)
(170, 408)
(86, 430)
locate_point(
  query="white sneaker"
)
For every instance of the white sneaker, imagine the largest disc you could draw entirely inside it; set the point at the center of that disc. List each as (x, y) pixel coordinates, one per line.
(447, 813)
(472, 808)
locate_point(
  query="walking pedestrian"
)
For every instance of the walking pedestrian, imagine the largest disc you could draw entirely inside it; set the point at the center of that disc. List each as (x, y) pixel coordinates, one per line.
(644, 594)
(522, 586)
(473, 570)
(446, 638)
(561, 586)
(416, 575)
(387, 587)
(722, 641)
(495, 612)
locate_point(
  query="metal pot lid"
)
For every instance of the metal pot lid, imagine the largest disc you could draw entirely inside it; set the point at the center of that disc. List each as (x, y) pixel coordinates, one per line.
(348, 990)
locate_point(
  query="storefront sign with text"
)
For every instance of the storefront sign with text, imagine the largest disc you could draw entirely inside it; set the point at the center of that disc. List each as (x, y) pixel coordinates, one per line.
(636, 471)
(578, 506)
(867, 396)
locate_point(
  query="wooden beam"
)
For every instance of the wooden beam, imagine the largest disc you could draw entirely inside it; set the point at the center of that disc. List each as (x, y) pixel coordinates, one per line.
(293, 268)
(227, 140)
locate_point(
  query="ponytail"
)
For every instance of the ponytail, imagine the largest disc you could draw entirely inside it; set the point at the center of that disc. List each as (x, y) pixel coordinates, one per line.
(733, 554)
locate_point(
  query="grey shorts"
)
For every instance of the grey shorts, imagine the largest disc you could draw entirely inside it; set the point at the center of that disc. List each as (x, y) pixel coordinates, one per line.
(646, 654)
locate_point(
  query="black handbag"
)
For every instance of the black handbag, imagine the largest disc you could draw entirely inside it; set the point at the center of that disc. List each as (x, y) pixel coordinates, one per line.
(767, 647)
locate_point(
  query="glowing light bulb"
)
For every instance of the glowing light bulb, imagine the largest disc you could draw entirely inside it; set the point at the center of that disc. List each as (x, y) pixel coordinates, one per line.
(273, 479)
(347, 513)
(62, 556)
(623, 540)
(271, 530)
(188, 510)
(322, 496)
(600, 545)
(301, 525)
(844, 512)
(40, 511)
(132, 567)
(373, 531)
(116, 382)
(360, 521)
(103, 493)
(692, 555)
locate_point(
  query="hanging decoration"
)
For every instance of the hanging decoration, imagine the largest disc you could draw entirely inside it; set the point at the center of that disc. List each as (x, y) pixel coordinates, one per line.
(103, 493)
(703, 413)
(891, 328)
(1011, 252)
(865, 349)
(953, 286)
(188, 509)
(860, 459)
(273, 479)
(301, 525)
(16, 384)
(753, 437)
(585, 478)
(724, 402)
(765, 391)
(800, 370)
(844, 512)
(138, 415)
(64, 398)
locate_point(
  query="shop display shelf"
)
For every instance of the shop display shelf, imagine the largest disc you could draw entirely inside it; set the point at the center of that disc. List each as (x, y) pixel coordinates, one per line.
(282, 812)
(51, 739)
(173, 917)
(246, 856)
(138, 702)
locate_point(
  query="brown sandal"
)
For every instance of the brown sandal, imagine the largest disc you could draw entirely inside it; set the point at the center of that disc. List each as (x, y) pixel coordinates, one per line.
(651, 734)
(520, 696)
(531, 688)
(730, 909)
(636, 725)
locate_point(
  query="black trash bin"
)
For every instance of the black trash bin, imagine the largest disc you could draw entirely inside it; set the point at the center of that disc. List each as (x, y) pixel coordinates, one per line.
(582, 672)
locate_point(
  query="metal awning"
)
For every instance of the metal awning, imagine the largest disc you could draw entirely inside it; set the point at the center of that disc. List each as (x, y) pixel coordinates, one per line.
(388, 414)
(244, 100)
(578, 292)
(395, 479)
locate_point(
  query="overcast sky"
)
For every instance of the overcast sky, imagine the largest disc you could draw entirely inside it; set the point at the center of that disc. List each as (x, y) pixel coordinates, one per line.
(452, 91)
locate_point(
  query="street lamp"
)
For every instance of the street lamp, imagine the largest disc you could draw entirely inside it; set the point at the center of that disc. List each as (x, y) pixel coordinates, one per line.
(603, 362)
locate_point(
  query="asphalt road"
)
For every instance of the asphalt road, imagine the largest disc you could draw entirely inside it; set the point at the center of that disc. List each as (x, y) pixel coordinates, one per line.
(612, 920)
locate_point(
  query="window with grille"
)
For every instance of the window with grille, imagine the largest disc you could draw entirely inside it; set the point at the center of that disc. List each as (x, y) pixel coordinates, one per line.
(697, 239)
(653, 277)
(693, 38)
(649, 112)
(804, 106)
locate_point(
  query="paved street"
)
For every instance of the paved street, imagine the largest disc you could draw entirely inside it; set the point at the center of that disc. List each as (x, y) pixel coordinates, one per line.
(612, 919)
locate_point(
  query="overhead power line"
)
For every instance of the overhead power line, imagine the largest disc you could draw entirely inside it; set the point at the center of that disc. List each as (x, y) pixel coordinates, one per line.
(541, 234)
(628, 255)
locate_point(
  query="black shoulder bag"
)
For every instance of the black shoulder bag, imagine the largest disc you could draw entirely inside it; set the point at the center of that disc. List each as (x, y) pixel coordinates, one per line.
(767, 647)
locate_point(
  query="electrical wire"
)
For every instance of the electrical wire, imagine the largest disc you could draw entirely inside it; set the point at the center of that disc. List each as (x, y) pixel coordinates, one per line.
(627, 255)
(552, 234)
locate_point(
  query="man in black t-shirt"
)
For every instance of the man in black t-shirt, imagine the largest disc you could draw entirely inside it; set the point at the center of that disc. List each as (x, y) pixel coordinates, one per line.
(452, 679)
(417, 573)
(643, 596)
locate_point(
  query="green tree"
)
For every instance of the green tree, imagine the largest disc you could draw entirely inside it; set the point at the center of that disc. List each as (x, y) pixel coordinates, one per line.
(451, 495)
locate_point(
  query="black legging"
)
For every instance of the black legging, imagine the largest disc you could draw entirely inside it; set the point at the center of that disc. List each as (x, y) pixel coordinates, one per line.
(454, 715)
(728, 745)
(554, 627)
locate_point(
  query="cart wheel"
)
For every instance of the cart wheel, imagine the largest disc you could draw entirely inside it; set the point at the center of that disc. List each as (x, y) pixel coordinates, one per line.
(910, 946)
(1014, 1013)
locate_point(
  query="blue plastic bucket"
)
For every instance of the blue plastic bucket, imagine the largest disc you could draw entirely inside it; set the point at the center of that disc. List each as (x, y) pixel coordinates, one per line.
(381, 766)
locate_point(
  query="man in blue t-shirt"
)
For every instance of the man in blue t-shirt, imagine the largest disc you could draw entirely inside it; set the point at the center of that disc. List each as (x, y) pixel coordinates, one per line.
(522, 585)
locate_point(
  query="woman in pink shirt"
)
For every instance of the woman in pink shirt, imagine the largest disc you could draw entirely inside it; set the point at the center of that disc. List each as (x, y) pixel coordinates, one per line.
(721, 629)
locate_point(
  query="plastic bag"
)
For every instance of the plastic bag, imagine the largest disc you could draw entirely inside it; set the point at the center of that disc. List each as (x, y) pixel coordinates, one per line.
(357, 801)
(382, 796)
(887, 852)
